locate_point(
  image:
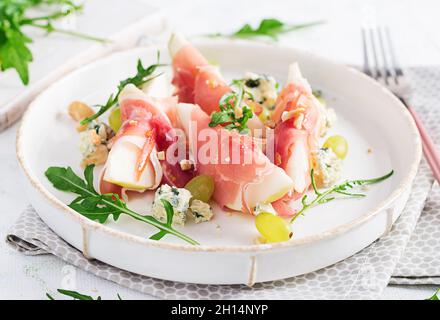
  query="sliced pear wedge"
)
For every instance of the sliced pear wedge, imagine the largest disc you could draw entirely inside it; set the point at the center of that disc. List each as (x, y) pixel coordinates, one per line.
(271, 187)
(121, 164)
(159, 87)
(295, 76)
(175, 43)
(298, 166)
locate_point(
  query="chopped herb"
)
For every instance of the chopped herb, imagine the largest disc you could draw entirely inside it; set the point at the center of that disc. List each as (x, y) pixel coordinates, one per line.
(14, 50)
(340, 189)
(100, 207)
(228, 104)
(142, 76)
(317, 93)
(252, 83)
(175, 191)
(270, 28)
(76, 295)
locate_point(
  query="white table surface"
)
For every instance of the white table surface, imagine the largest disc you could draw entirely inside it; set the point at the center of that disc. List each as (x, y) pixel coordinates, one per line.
(414, 25)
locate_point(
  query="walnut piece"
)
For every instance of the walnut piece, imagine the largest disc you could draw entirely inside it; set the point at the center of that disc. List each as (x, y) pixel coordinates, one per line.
(79, 111)
(99, 156)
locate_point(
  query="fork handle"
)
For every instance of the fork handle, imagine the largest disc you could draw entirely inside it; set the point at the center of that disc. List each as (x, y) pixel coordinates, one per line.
(429, 148)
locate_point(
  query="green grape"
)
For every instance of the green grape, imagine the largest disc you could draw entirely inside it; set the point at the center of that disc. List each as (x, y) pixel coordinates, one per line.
(338, 144)
(272, 227)
(201, 187)
(114, 119)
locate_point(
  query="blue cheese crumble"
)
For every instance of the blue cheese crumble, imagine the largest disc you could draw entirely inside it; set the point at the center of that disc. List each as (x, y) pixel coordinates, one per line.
(264, 89)
(201, 211)
(178, 198)
(327, 167)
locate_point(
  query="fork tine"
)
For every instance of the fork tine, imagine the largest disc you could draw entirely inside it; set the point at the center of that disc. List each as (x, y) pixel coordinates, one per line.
(394, 65)
(367, 69)
(377, 73)
(386, 69)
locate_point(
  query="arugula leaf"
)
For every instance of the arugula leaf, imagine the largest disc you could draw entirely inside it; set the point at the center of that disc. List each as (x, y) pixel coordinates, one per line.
(65, 179)
(142, 76)
(328, 195)
(269, 27)
(77, 296)
(49, 296)
(100, 207)
(14, 52)
(14, 49)
(228, 104)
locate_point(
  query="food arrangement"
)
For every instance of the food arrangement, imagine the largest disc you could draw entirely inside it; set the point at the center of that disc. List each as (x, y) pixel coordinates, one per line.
(252, 146)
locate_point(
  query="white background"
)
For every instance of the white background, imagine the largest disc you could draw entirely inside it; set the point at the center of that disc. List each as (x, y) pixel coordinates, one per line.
(415, 28)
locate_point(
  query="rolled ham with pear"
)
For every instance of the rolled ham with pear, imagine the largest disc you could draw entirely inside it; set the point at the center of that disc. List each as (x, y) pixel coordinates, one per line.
(199, 82)
(244, 177)
(181, 144)
(134, 146)
(299, 119)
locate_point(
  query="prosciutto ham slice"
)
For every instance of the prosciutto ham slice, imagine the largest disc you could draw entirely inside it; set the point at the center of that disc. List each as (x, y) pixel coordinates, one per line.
(243, 175)
(133, 162)
(298, 116)
(198, 82)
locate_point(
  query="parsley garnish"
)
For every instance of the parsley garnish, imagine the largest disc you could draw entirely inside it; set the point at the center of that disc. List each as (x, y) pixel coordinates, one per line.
(142, 76)
(14, 50)
(340, 189)
(229, 103)
(100, 207)
(270, 28)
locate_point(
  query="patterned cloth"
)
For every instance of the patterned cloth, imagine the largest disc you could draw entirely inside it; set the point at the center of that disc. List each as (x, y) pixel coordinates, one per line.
(401, 257)
(421, 261)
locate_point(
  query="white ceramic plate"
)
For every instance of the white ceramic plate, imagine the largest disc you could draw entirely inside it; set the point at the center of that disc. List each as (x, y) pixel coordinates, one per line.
(368, 116)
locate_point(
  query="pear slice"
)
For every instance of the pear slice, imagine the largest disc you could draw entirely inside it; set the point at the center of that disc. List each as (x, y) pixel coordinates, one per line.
(271, 188)
(159, 87)
(295, 76)
(121, 165)
(175, 43)
(298, 166)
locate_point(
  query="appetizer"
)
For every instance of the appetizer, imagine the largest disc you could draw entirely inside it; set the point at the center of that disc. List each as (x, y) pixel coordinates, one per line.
(252, 146)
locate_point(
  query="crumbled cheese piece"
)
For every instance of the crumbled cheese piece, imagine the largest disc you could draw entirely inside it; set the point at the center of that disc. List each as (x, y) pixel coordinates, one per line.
(96, 134)
(86, 145)
(161, 155)
(327, 167)
(264, 207)
(185, 164)
(177, 197)
(201, 211)
(99, 156)
(264, 89)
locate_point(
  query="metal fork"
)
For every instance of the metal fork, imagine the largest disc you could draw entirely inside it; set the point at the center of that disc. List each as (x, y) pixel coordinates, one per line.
(381, 64)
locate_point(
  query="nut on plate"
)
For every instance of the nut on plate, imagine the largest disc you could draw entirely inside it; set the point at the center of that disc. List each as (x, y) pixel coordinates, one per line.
(79, 111)
(99, 156)
(185, 164)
